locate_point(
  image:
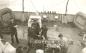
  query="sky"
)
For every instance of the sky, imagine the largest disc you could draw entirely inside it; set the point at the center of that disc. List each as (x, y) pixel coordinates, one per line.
(74, 6)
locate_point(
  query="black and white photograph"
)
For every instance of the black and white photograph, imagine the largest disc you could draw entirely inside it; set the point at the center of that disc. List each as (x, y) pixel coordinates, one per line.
(42, 26)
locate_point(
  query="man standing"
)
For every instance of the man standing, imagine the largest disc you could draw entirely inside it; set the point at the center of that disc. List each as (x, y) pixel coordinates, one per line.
(44, 30)
(7, 24)
(36, 26)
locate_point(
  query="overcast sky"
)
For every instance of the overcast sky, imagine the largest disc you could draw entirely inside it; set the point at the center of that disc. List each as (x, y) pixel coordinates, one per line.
(46, 5)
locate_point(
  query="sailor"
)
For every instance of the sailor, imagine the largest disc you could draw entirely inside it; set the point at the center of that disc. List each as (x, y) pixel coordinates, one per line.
(36, 25)
(64, 46)
(44, 30)
(7, 23)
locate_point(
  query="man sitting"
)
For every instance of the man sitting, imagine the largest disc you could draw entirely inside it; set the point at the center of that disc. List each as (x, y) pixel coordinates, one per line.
(64, 41)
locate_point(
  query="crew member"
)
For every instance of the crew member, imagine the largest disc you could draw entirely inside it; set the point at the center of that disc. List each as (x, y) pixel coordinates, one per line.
(7, 24)
(44, 30)
(64, 46)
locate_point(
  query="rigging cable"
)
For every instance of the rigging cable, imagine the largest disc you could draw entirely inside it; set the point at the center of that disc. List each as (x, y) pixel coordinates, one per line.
(66, 7)
(34, 7)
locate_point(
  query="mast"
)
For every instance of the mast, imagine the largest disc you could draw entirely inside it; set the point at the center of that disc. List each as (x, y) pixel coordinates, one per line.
(23, 6)
(66, 7)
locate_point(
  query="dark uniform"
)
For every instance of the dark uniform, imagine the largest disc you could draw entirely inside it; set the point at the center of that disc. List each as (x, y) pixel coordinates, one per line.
(32, 33)
(31, 36)
(44, 30)
(36, 26)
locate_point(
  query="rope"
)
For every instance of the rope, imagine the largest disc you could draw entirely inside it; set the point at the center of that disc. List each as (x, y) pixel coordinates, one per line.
(34, 7)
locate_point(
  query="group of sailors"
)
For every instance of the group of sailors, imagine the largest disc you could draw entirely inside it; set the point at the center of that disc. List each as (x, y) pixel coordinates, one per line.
(7, 24)
(34, 32)
(37, 33)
